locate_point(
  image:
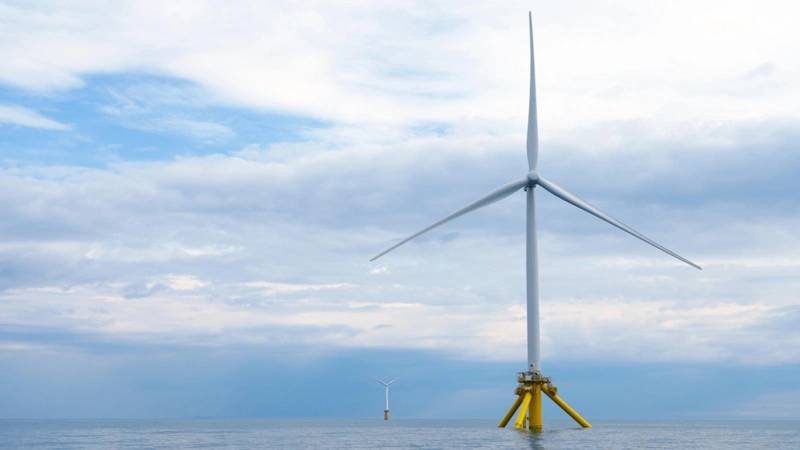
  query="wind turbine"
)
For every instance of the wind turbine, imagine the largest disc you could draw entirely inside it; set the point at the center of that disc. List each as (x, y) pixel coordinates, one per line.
(386, 385)
(532, 382)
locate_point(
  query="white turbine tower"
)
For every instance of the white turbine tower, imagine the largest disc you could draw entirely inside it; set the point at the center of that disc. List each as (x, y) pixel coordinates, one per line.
(532, 383)
(386, 385)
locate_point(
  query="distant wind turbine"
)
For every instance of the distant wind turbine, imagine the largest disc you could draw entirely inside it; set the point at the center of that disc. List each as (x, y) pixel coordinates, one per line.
(532, 382)
(386, 385)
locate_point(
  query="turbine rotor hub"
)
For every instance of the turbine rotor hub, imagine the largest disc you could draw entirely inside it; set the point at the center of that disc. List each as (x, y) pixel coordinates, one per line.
(533, 178)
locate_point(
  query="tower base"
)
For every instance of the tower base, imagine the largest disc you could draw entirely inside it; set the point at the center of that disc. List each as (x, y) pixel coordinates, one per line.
(385, 414)
(529, 399)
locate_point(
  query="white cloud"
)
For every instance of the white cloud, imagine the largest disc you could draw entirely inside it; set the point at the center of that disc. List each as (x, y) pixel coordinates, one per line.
(17, 115)
(269, 288)
(677, 67)
(379, 270)
(184, 282)
(151, 107)
(271, 246)
(207, 131)
(587, 329)
(653, 114)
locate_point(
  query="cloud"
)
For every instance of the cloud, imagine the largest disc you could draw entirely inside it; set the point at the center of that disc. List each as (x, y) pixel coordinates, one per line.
(448, 62)
(689, 138)
(163, 107)
(379, 270)
(24, 117)
(270, 246)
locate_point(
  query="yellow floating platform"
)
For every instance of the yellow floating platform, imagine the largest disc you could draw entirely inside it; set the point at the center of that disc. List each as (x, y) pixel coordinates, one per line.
(529, 403)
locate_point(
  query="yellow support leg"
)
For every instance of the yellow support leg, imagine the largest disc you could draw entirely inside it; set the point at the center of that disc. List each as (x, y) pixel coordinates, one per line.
(535, 413)
(511, 411)
(523, 411)
(552, 392)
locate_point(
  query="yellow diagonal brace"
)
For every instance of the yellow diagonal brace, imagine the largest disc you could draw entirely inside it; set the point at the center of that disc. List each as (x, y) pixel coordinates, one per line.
(552, 392)
(523, 411)
(510, 412)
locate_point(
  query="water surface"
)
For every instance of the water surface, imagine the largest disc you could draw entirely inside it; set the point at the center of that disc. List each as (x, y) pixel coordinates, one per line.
(397, 434)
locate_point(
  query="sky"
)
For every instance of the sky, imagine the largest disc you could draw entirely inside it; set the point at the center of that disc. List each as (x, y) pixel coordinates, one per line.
(191, 192)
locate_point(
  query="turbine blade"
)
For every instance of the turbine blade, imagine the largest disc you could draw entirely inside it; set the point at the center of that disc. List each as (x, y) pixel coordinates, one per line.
(533, 128)
(381, 382)
(490, 198)
(393, 380)
(569, 197)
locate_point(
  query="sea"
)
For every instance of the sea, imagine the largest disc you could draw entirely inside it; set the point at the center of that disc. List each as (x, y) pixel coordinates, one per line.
(395, 434)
